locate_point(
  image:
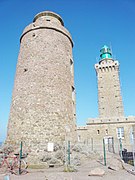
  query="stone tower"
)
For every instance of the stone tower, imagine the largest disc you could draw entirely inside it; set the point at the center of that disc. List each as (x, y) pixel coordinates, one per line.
(109, 93)
(43, 101)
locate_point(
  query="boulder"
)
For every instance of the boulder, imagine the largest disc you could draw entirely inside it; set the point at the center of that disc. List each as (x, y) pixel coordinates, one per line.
(77, 148)
(96, 172)
(59, 155)
(115, 164)
(46, 157)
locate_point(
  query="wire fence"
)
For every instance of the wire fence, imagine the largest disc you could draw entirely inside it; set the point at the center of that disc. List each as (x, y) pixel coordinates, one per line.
(70, 152)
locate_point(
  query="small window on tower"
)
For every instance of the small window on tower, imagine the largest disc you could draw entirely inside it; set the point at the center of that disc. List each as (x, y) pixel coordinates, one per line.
(71, 66)
(98, 132)
(25, 70)
(106, 131)
(73, 93)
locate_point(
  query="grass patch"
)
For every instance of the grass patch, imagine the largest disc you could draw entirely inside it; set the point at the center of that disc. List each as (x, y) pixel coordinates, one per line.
(69, 168)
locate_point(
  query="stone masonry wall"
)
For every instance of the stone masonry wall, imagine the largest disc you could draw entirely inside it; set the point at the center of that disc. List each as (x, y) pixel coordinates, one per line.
(109, 92)
(99, 128)
(42, 104)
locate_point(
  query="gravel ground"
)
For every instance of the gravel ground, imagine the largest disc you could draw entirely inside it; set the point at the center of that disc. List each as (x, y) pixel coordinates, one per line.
(81, 174)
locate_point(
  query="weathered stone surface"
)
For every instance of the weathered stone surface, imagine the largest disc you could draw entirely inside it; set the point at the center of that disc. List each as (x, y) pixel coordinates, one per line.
(46, 157)
(109, 93)
(43, 101)
(96, 172)
(77, 148)
(6, 149)
(76, 161)
(59, 155)
(54, 161)
(115, 164)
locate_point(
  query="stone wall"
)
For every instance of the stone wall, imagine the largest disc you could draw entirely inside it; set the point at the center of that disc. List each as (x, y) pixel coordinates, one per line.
(43, 102)
(109, 92)
(98, 128)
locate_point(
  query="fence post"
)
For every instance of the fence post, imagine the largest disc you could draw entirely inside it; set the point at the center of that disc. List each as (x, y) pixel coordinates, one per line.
(68, 152)
(20, 158)
(113, 144)
(92, 144)
(133, 129)
(120, 141)
(104, 151)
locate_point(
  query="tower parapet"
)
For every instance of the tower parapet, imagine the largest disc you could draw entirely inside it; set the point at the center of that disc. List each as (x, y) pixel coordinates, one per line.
(47, 20)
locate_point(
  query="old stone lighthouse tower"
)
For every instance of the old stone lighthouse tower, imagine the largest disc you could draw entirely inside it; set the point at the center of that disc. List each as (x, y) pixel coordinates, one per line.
(43, 101)
(109, 93)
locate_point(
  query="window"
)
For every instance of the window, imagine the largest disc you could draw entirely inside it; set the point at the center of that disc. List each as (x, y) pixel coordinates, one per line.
(73, 93)
(79, 138)
(106, 131)
(120, 132)
(73, 100)
(25, 70)
(98, 132)
(71, 66)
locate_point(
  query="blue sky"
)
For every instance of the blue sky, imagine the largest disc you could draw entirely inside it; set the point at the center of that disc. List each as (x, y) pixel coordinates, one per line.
(92, 23)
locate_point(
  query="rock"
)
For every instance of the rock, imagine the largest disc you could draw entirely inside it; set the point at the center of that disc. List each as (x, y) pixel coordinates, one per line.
(17, 151)
(59, 155)
(96, 172)
(76, 161)
(57, 147)
(85, 153)
(46, 158)
(7, 149)
(54, 161)
(77, 148)
(115, 164)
